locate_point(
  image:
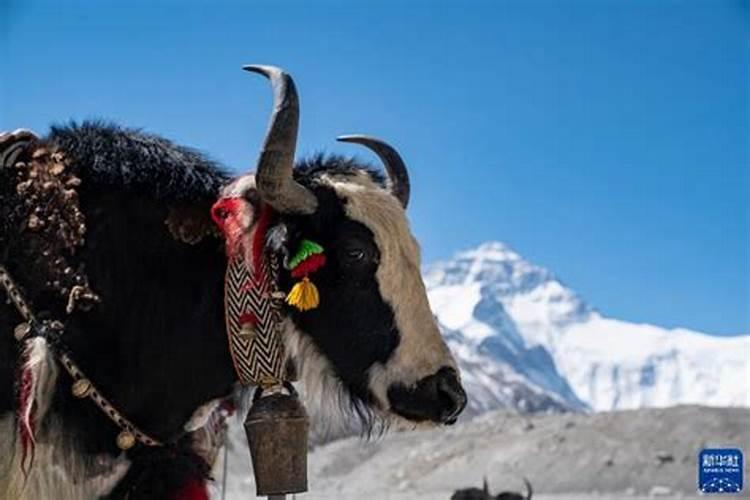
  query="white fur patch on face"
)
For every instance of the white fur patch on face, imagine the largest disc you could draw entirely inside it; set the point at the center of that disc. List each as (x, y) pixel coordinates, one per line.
(327, 400)
(239, 186)
(321, 390)
(421, 351)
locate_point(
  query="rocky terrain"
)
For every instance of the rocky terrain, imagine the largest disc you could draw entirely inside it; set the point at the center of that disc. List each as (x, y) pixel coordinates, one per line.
(610, 455)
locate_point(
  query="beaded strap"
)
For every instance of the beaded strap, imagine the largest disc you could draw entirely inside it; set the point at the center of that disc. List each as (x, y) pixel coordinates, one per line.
(82, 386)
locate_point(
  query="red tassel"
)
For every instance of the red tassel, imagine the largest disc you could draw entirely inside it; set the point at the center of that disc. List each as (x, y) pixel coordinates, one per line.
(248, 317)
(259, 236)
(26, 421)
(309, 265)
(193, 489)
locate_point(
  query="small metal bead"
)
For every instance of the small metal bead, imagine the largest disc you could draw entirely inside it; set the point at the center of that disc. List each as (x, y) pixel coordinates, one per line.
(81, 388)
(125, 440)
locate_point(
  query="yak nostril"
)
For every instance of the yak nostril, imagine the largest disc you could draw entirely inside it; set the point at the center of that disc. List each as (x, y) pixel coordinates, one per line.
(452, 395)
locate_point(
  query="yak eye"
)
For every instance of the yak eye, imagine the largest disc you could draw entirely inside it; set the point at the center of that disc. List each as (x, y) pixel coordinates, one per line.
(355, 255)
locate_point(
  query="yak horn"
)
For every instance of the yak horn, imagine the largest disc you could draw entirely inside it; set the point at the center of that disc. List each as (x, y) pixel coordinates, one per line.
(394, 165)
(274, 179)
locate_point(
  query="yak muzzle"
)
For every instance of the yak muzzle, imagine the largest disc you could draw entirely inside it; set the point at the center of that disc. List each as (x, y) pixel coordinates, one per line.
(437, 398)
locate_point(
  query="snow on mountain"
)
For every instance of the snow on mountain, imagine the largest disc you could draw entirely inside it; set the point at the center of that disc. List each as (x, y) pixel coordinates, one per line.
(494, 377)
(525, 340)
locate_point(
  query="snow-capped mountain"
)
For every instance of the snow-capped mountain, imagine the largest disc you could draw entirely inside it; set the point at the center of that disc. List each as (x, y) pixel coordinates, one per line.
(525, 340)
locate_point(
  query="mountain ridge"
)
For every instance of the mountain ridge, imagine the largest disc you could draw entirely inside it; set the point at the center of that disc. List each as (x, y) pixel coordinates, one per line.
(510, 319)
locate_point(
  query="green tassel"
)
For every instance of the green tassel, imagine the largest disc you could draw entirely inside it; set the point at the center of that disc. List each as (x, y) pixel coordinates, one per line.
(306, 249)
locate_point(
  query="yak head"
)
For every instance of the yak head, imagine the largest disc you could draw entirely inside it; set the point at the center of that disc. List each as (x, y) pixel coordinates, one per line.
(372, 338)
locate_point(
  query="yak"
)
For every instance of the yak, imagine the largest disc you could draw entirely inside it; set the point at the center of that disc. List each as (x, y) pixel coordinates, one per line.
(484, 493)
(138, 283)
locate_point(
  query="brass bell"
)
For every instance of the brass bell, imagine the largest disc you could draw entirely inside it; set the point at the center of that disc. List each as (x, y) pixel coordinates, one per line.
(81, 388)
(125, 440)
(276, 428)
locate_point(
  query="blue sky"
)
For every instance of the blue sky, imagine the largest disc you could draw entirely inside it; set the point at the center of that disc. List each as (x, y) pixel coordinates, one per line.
(607, 141)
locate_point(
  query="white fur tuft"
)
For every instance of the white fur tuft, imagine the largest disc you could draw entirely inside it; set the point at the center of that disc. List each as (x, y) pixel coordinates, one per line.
(41, 369)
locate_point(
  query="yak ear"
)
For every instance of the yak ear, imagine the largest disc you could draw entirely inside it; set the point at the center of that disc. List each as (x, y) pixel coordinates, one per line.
(190, 224)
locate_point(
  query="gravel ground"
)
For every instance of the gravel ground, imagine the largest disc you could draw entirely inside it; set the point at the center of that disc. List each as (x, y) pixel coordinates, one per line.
(637, 454)
(446, 495)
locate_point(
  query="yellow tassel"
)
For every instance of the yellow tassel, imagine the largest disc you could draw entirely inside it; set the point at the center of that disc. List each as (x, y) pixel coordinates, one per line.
(304, 295)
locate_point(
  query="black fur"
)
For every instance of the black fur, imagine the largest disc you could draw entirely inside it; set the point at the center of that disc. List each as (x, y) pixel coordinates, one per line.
(139, 164)
(156, 344)
(484, 493)
(158, 473)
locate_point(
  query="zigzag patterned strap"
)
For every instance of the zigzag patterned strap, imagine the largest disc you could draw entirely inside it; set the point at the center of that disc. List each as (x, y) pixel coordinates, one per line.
(252, 316)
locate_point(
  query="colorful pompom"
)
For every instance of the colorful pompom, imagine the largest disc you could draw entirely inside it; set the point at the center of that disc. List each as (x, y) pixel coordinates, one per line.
(306, 249)
(308, 259)
(304, 295)
(309, 265)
